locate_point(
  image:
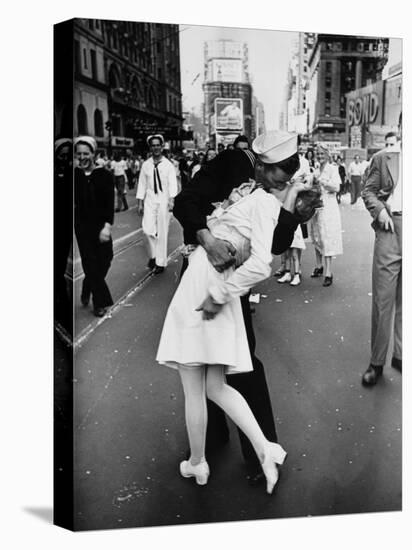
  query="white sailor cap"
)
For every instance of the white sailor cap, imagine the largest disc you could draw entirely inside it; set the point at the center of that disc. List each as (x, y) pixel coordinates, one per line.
(86, 140)
(62, 142)
(157, 136)
(273, 147)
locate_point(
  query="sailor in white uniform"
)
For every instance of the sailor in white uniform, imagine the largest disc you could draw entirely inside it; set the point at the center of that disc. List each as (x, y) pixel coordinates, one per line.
(156, 190)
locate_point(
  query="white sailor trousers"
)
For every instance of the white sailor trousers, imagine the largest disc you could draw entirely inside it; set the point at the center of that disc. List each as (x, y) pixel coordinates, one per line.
(155, 225)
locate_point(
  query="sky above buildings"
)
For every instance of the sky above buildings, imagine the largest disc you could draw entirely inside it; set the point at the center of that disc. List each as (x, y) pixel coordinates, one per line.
(269, 56)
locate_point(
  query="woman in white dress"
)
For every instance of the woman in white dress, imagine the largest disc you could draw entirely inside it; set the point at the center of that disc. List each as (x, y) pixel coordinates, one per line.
(325, 226)
(204, 334)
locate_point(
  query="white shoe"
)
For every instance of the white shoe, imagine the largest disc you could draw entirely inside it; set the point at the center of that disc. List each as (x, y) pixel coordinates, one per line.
(200, 471)
(296, 280)
(274, 454)
(287, 277)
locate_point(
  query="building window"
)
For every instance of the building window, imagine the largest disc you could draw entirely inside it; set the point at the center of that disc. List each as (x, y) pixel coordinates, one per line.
(97, 24)
(98, 123)
(328, 66)
(116, 125)
(328, 81)
(115, 42)
(114, 80)
(327, 96)
(85, 58)
(327, 110)
(94, 64)
(159, 73)
(77, 56)
(82, 120)
(90, 23)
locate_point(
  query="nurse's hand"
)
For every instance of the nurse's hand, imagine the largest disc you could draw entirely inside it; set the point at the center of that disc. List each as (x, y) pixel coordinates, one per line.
(105, 234)
(221, 254)
(210, 309)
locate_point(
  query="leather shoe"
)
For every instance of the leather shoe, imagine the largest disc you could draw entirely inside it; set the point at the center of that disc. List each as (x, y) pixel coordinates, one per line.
(372, 374)
(158, 269)
(397, 364)
(85, 299)
(317, 272)
(328, 280)
(100, 311)
(151, 264)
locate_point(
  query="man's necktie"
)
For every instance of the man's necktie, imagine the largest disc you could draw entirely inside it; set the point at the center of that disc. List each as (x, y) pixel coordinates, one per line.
(157, 181)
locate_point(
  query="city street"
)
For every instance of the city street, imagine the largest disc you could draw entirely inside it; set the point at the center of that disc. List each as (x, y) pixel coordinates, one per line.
(343, 440)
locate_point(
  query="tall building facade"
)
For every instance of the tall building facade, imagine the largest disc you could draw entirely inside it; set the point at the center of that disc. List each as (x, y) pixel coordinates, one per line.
(294, 113)
(338, 65)
(226, 78)
(258, 118)
(126, 83)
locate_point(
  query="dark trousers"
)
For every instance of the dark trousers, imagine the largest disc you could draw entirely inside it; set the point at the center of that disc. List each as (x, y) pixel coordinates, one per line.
(355, 188)
(253, 387)
(120, 184)
(96, 259)
(63, 310)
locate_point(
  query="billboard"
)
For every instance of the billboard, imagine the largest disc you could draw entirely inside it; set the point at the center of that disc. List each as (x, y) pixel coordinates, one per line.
(365, 105)
(225, 70)
(225, 48)
(229, 113)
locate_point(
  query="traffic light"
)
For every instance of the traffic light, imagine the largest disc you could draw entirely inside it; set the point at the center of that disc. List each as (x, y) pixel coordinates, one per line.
(108, 125)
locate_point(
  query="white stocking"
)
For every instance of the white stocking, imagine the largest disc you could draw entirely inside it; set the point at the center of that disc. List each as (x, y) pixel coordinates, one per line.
(235, 406)
(193, 381)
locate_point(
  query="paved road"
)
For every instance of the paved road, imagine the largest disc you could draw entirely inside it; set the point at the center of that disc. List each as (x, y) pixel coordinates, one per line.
(344, 441)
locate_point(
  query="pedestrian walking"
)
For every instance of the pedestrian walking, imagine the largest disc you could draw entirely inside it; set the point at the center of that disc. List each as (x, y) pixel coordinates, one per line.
(210, 155)
(130, 165)
(343, 177)
(63, 229)
(156, 190)
(214, 183)
(241, 142)
(119, 167)
(291, 258)
(355, 172)
(382, 196)
(93, 220)
(198, 161)
(325, 226)
(205, 338)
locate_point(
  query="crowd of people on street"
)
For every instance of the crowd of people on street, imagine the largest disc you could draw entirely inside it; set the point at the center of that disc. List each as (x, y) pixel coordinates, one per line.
(238, 206)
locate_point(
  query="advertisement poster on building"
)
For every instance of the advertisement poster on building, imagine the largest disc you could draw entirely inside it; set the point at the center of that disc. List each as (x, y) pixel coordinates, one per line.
(333, 146)
(226, 70)
(229, 114)
(355, 136)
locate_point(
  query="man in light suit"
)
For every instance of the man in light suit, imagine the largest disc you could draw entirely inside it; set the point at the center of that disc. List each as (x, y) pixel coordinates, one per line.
(382, 195)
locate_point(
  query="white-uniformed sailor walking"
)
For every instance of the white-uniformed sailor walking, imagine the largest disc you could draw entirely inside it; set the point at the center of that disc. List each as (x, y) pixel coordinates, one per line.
(156, 190)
